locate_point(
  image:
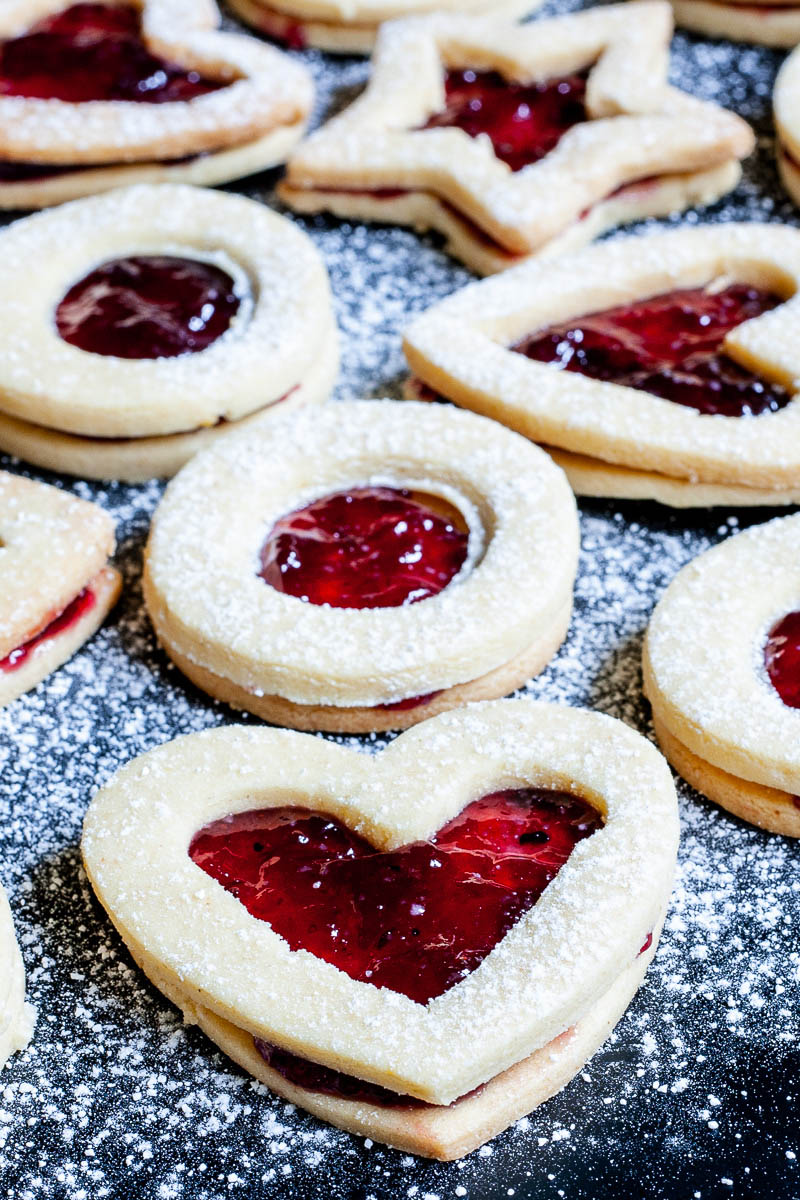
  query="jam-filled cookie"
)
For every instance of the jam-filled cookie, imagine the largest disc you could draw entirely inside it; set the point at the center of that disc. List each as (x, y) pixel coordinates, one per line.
(363, 566)
(141, 325)
(512, 140)
(16, 1017)
(776, 23)
(786, 108)
(656, 367)
(722, 673)
(344, 27)
(56, 586)
(420, 946)
(97, 95)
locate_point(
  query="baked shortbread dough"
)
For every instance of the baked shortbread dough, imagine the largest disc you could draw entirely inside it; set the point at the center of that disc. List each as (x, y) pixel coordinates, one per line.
(646, 148)
(56, 586)
(102, 416)
(314, 666)
(247, 125)
(346, 28)
(516, 1028)
(617, 440)
(16, 1017)
(775, 24)
(786, 111)
(719, 718)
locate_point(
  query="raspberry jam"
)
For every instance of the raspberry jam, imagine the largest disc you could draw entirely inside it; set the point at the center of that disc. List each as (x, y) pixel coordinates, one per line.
(93, 52)
(150, 306)
(415, 920)
(316, 1078)
(70, 616)
(372, 547)
(669, 345)
(525, 121)
(782, 658)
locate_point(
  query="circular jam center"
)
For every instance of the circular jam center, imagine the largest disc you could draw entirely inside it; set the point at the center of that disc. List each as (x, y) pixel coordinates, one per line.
(93, 52)
(417, 919)
(669, 345)
(373, 547)
(525, 121)
(150, 306)
(782, 658)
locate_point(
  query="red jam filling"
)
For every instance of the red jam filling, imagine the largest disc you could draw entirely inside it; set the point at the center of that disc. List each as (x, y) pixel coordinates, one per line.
(373, 547)
(669, 345)
(416, 920)
(782, 659)
(525, 121)
(93, 52)
(316, 1078)
(70, 616)
(150, 306)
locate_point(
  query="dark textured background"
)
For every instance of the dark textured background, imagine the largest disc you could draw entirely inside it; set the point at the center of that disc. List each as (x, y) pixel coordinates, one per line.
(696, 1094)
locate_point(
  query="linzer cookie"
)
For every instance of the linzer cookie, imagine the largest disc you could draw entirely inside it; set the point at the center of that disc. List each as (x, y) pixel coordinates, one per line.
(142, 325)
(515, 140)
(56, 586)
(344, 27)
(96, 95)
(16, 1017)
(363, 566)
(657, 367)
(722, 672)
(786, 107)
(774, 24)
(419, 946)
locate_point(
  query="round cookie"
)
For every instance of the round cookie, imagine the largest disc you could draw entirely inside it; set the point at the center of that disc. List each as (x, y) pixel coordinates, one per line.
(378, 643)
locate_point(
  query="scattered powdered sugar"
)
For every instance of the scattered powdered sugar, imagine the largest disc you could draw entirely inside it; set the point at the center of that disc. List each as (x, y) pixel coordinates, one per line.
(695, 1093)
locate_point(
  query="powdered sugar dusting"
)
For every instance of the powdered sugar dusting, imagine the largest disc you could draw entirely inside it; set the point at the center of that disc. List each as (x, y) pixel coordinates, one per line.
(695, 1091)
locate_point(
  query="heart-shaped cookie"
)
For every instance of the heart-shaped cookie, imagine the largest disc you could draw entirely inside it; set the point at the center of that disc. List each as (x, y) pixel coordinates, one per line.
(542, 348)
(562, 967)
(733, 614)
(16, 1017)
(56, 586)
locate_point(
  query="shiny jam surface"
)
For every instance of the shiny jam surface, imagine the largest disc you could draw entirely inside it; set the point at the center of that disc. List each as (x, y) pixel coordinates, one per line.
(93, 52)
(70, 616)
(525, 121)
(372, 547)
(668, 345)
(415, 920)
(150, 306)
(782, 658)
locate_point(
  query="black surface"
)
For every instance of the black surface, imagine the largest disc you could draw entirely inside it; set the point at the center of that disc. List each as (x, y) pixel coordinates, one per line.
(694, 1096)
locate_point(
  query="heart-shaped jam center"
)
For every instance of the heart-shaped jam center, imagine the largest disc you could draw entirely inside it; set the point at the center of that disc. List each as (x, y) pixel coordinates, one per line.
(669, 345)
(416, 920)
(93, 52)
(524, 121)
(68, 617)
(782, 658)
(371, 547)
(149, 306)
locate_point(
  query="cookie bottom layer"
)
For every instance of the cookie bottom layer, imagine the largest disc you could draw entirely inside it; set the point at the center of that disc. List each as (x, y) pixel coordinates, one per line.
(766, 26)
(16, 1017)
(464, 240)
(134, 460)
(451, 1131)
(298, 31)
(331, 719)
(206, 170)
(789, 172)
(55, 650)
(766, 807)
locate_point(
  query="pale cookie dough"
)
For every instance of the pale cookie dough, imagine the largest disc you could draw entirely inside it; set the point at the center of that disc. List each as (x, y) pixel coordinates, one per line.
(16, 1017)
(537, 1006)
(786, 112)
(717, 715)
(266, 95)
(498, 622)
(668, 148)
(774, 24)
(619, 437)
(53, 547)
(101, 416)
